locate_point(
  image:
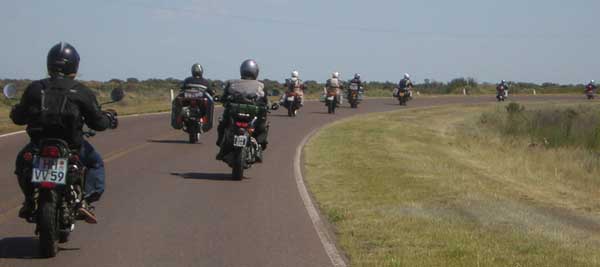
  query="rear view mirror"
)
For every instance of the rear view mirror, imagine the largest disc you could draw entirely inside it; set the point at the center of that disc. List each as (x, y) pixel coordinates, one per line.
(10, 91)
(117, 94)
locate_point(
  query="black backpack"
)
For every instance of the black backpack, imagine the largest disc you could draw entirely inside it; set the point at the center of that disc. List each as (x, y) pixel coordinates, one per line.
(58, 110)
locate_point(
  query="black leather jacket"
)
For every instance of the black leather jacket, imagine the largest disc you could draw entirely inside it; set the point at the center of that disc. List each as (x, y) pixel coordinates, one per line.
(28, 111)
(193, 82)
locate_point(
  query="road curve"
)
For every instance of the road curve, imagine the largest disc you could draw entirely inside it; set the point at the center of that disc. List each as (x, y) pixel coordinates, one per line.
(169, 203)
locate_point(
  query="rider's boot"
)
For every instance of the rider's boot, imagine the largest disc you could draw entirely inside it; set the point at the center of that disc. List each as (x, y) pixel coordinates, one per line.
(27, 209)
(86, 213)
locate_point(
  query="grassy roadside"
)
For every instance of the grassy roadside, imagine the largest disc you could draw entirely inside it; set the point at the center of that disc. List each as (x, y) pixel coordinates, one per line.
(432, 188)
(132, 104)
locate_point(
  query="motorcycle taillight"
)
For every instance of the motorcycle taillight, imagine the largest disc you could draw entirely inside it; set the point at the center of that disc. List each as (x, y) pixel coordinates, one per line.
(27, 156)
(50, 152)
(241, 124)
(47, 185)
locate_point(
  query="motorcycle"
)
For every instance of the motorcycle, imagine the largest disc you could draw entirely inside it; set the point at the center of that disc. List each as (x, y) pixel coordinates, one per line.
(292, 103)
(331, 102)
(403, 96)
(501, 95)
(58, 178)
(589, 93)
(196, 113)
(354, 95)
(243, 149)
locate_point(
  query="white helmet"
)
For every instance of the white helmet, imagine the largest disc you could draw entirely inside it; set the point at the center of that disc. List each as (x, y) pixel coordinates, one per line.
(406, 76)
(295, 74)
(335, 75)
(592, 82)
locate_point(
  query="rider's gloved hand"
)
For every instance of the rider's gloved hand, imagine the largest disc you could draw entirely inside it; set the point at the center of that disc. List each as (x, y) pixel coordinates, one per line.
(112, 116)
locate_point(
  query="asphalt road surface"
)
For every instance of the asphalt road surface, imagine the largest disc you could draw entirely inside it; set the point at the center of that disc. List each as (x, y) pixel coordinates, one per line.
(170, 203)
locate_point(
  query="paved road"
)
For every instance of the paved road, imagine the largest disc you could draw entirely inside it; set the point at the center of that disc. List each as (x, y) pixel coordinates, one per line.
(169, 203)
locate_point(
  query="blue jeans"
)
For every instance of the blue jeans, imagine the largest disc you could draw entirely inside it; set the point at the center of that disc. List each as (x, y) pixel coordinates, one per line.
(95, 175)
(94, 178)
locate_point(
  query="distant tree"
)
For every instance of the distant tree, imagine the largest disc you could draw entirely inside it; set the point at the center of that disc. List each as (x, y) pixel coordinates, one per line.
(133, 80)
(546, 85)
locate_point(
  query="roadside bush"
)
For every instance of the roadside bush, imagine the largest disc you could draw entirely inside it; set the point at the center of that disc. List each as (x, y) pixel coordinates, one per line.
(553, 127)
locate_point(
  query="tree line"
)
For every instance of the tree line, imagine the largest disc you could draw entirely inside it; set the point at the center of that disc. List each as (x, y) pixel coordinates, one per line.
(428, 86)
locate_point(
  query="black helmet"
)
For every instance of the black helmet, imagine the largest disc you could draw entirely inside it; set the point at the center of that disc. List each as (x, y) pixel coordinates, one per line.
(249, 70)
(62, 60)
(197, 70)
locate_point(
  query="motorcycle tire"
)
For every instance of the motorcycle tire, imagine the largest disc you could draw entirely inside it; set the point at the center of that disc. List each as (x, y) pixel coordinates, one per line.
(48, 225)
(237, 172)
(193, 138)
(194, 133)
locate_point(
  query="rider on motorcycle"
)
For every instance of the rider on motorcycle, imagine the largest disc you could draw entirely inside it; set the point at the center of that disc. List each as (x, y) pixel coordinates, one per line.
(358, 82)
(247, 90)
(503, 85)
(294, 84)
(334, 85)
(591, 87)
(406, 84)
(196, 81)
(67, 105)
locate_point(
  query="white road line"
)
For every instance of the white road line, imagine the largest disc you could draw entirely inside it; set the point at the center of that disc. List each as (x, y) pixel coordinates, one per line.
(120, 117)
(328, 244)
(13, 133)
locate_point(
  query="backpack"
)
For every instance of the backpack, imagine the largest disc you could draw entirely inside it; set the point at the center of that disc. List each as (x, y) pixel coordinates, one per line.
(58, 111)
(334, 83)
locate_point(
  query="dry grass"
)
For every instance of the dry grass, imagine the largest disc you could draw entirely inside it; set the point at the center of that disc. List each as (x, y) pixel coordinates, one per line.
(431, 188)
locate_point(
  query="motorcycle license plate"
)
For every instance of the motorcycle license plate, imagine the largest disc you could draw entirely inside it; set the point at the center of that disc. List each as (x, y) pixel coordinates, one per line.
(240, 140)
(290, 98)
(330, 98)
(53, 170)
(193, 94)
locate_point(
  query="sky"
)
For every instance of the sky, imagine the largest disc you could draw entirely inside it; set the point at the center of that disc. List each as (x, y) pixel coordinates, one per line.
(490, 40)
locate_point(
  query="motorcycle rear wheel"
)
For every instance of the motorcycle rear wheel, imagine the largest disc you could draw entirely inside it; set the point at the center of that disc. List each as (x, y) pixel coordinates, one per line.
(48, 225)
(239, 157)
(193, 138)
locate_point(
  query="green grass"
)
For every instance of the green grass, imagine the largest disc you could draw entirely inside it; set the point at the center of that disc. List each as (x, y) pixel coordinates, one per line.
(556, 126)
(431, 187)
